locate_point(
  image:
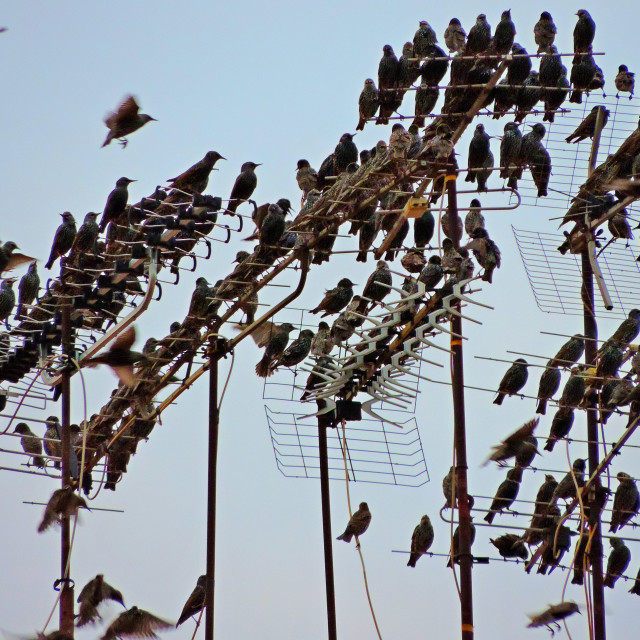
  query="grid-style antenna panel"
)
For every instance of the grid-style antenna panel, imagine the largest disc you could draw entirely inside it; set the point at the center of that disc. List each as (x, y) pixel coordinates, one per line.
(377, 452)
(556, 279)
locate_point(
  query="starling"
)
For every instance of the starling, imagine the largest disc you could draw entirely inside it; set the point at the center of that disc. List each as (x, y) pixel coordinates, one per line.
(618, 561)
(528, 96)
(421, 540)
(619, 227)
(567, 486)
(587, 127)
(335, 300)
(28, 289)
(552, 614)
(540, 167)
(399, 141)
(506, 494)
(451, 259)
(504, 35)
(554, 97)
(119, 357)
(448, 484)
(544, 31)
(307, 177)
(295, 353)
(322, 345)
(423, 228)
(31, 444)
(557, 539)
(432, 273)
(549, 384)
(275, 344)
(514, 444)
(273, 226)
(583, 33)
(543, 512)
(531, 142)
(424, 39)
(358, 523)
(510, 152)
(479, 151)
(194, 602)
(610, 357)
(52, 446)
(125, 121)
(397, 241)
(9, 259)
(244, 186)
(387, 81)
(466, 266)
(368, 104)
(368, 234)
(485, 251)
(519, 67)
(426, 99)
(446, 226)
(479, 36)
(62, 503)
(200, 299)
(474, 218)
(135, 623)
(625, 504)
(560, 426)
(625, 81)
(579, 559)
(116, 203)
(505, 98)
(7, 299)
(569, 353)
(92, 594)
(510, 545)
(196, 178)
(408, 70)
(628, 329)
(550, 67)
(583, 72)
(455, 36)
(87, 234)
(435, 67)
(63, 240)
(344, 154)
(455, 546)
(378, 285)
(414, 261)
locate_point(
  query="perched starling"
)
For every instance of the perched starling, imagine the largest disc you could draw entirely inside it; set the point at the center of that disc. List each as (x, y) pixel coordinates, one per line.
(566, 488)
(466, 266)
(31, 444)
(344, 154)
(358, 523)
(579, 559)
(557, 539)
(619, 227)
(628, 329)
(424, 39)
(306, 176)
(62, 503)
(421, 540)
(549, 384)
(446, 226)
(506, 494)
(587, 127)
(554, 96)
(135, 623)
(7, 298)
(636, 585)
(552, 614)
(52, 446)
(550, 67)
(474, 218)
(451, 259)
(625, 81)
(28, 289)
(408, 70)
(569, 353)
(510, 152)
(119, 357)
(368, 233)
(426, 99)
(63, 240)
(455, 36)
(519, 67)
(543, 512)
(396, 242)
(560, 426)
(540, 167)
(295, 353)
(200, 299)
(322, 345)
(273, 226)
(455, 546)
(423, 228)
(485, 251)
(479, 36)
(435, 67)
(9, 259)
(610, 357)
(378, 284)
(510, 545)
(87, 234)
(92, 594)
(528, 96)
(583, 72)
(194, 602)
(196, 178)
(399, 141)
(626, 502)
(514, 444)
(618, 561)
(244, 186)
(316, 377)
(387, 81)
(274, 346)
(116, 203)
(414, 261)
(504, 35)
(505, 98)
(545, 31)
(583, 33)
(531, 142)
(432, 273)
(479, 152)
(448, 484)
(125, 121)
(368, 104)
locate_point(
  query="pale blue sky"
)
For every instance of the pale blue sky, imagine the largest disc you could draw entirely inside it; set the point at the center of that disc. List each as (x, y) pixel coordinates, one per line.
(269, 83)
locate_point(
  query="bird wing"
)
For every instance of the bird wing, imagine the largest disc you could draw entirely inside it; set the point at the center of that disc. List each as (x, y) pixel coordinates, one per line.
(126, 375)
(143, 624)
(125, 340)
(523, 432)
(262, 334)
(127, 109)
(17, 259)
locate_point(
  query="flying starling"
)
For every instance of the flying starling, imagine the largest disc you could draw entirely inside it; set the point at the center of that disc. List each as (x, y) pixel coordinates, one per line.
(196, 178)
(358, 523)
(618, 561)
(9, 259)
(368, 103)
(448, 483)
(510, 545)
(625, 81)
(87, 234)
(504, 35)
(544, 31)
(486, 252)
(120, 357)
(528, 96)
(549, 384)
(31, 444)
(506, 494)
(307, 177)
(387, 81)
(194, 602)
(510, 151)
(125, 121)
(275, 344)
(455, 36)
(335, 300)
(423, 229)
(566, 488)
(92, 594)
(552, 614)
(244, 186)
(62, 503)
(560, 426)
(479, 36)
(322, 345)
(344, 154)
(583, 33)
(424, 39)
(587, 127)
(52, 445)
(432, 273)
(626, 502)
(7, 298)
(555, 96)
(295, 353)
(135, 623)
(569, 353)
(421, 540)
(116, 203)
(514, 444)
(28, 289)
(63, 240)
(378, 284)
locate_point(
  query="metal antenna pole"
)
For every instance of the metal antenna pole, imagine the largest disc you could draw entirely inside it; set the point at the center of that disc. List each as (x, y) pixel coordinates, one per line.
(460, 440)
(66, 593)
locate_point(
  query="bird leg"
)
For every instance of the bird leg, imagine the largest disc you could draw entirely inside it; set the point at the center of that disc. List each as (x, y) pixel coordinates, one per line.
(123, 142)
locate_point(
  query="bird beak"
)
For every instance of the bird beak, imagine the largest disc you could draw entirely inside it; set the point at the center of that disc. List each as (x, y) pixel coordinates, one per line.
(222, 158)
(154, 119)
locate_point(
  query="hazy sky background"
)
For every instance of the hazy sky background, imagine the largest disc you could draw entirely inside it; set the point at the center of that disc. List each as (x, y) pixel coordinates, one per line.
(268, 83)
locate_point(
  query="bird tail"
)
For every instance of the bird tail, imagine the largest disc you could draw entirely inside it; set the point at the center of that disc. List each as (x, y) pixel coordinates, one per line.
(609, 581)
(550, 444)
(39, 462)
(470, 177)
(542, 192)
(18, 312)
(390, 256)
(108, 139)
(542, 407)
(262, 368)
(232, 206)
(482, 185)
(361, 257)
(49, 263)
(636, 588)
(499, 399)
(487, 276)
(613, 528)
(576, 97)
(413, 558)
(361, 123)
(578, 578)
(418, 121)
(549, 116)
(490, 516)
(345, 536)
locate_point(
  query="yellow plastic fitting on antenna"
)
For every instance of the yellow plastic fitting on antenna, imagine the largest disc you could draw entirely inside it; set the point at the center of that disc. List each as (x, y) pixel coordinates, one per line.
(415, 207)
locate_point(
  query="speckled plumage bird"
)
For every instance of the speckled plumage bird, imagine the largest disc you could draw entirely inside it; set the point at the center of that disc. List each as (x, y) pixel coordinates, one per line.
(387, 81)
(531, 142)
(424, 38)
(486, 252)
(514, 444)
(135, 623)
(446, 226)
(506, 494)
(368, 233)
(28, 289)
(195, 601)
(555, 96)
(335, 300)
(425, 101)
(87, 234)
(62, 503)
(125, 121)
(275, 343)
(549, 384)
(618, 561)
(7, 298)
(628, 329)
(540, 167)
(583, 71)
(51, 441)
(63, 239)
(92, 594)
(510, 152)
(31, 444)
(273, 226)
(557, 539)
(552, 614)
(295, 353)
(399, 141)
(544, 511)
(196, 177)
(519, 67)
(544, 31)
(474, 218)
(625, 81)
(514, 379)
(413, 261)
(560, 426)
(396, 242)
(9, 259)
(368, 103)
(432, 273)
(322, 345)
(358, 523)
(569, 353)
(306, 176)
(435, 67)
(455, 37)
(528, 96)
(626, 502)
(408, 70)
(377, 287)
(619, 226)
(315, 378)
(448, 483)
(421, 540)
(451, 259)
(583, 33)
(479, 36)
(587, 127)
(504, 34)
(510, 545)
(479, 152)
(566, 488)
(573, 389)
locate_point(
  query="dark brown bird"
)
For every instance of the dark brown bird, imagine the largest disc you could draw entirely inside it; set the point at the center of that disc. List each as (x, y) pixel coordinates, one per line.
(510, 545)
(116, 203)
(31, 444)
(544, 510)
(306, 176)
(552, 614)
(448, 483)
(125, 121)
(625, 81)
(514, 444)
(626, 502)
(421, 540)
(28, 288)
(92, 594)
(479, 36)
(244, 186)
(9, 259)
(135, 623)
(335, 300)
(358, 523)
(195, 601)
(569, 353)
(196, 178)
(388, 70)
(549, 384)
(506, 494)
(454, 554)
(567, 486)
(455, 36)
(587, 127)
(583, 33)
(486, 252)
(275, 341)
(545, 31)
(560, 427)
(368, 103)
(62, 503)
(618, 561)
(63, 240)
(514, 379)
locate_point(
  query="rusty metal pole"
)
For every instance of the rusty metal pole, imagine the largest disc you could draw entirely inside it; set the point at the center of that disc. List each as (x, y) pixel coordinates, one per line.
(66, 588)
(460, 442)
